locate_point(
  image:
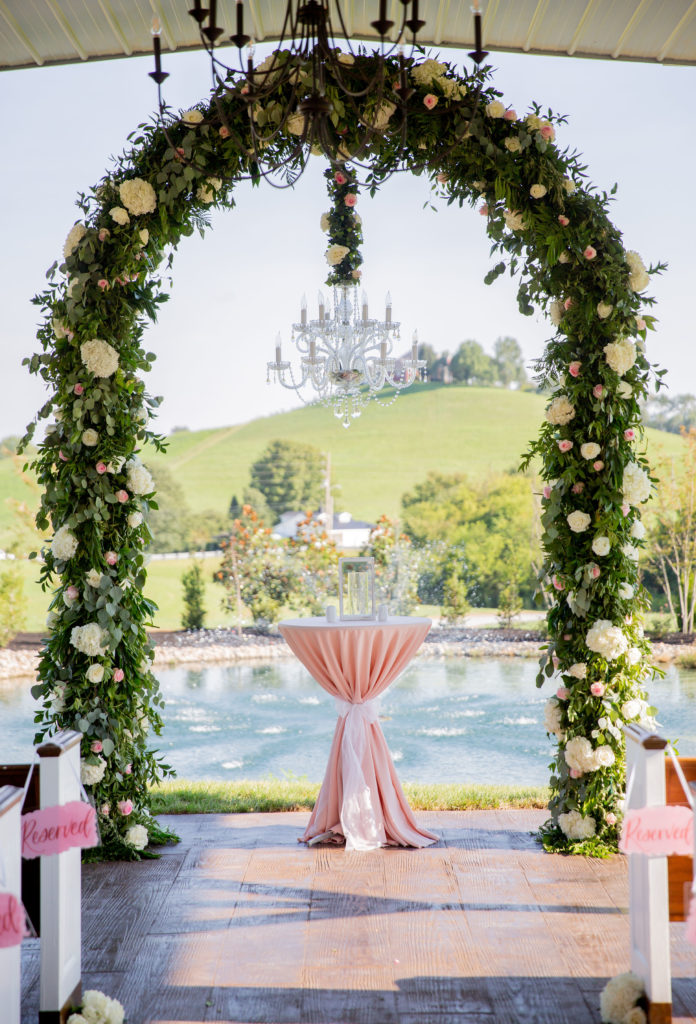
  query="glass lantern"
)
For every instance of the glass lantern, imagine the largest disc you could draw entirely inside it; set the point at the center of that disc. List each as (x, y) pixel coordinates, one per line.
(356, 588)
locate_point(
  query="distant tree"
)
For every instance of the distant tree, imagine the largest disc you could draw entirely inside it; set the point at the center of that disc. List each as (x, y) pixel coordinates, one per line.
(509, 362)
(665, 411)
(235, 509)
(290, 475)
(471, 365)
(8, 446)
(428, 353)
(194, 591)
(206, 528)
(252, 496)
(170, 522)
(13, 604)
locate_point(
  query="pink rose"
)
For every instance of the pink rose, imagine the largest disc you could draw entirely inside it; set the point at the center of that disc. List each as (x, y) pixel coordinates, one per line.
(244, 90)
(111, 558)
(568, 303)
(351, 199)
(563, 693)
(63, 458)
(78, 389)
(558, 584)
(125, 807)
(574, 368)
(103, 234)
(598, 466)
(575, 773)
(224, 132)
(610, 818)
(578, 488)
(595, 572)
(122, 496)
(598, 390)
(547, 132)
(340, 178)
(625, 509)
(430, 101)
(629, 434)
(102, 283)
(483, 210)
(547, 491)
(565, 446)
(442, 177)
(567, 637)
(589, 253)
(510, 115)
(180, 151)
(100, 468)
(597, 689)
(563, 220)
(118, 675)
(640, 323)
(104, 810)
(96, 747)
(72, 593)
(128, 769)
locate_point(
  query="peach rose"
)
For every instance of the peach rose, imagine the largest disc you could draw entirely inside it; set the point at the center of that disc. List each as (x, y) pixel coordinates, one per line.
(590, 253)
(597, 689)
(563, 220)
(565, 445)
(574, 368)
(430, 101)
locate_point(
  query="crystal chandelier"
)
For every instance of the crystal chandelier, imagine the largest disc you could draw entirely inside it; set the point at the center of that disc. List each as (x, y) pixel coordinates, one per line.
(347, 358)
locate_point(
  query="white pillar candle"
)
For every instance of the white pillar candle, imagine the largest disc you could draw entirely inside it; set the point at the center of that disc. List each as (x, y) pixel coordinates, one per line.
(382, 350)
(312, 350)
(278, 352)
(303, 310)
(322, 306)
(388, 315)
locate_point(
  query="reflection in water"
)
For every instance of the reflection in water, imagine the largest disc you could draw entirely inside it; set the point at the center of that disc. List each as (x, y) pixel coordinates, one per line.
(452, 720)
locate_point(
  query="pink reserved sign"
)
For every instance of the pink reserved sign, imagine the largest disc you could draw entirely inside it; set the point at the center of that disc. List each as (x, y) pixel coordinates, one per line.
(658, 831)
(12, 921)
(55, 829)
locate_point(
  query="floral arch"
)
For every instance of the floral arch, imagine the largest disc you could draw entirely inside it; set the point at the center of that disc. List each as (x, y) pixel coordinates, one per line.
(548, 227)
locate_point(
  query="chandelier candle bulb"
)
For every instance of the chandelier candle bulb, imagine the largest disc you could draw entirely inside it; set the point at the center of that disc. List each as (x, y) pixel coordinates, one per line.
(382, 350)
(313, 350)
(303, 310)
(278, 350)
(364, 308)
(322, 306)
(388, 313)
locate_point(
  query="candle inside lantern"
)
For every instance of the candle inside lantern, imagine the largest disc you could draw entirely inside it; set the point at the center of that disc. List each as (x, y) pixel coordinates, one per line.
(303, 310)
(364, 307)
(278, 351)
(388, 313)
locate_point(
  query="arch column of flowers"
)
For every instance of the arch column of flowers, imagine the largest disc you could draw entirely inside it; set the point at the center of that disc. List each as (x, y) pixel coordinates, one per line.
(548, 227)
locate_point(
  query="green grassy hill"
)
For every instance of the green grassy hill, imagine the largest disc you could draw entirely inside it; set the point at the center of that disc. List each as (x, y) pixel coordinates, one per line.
(385, 452)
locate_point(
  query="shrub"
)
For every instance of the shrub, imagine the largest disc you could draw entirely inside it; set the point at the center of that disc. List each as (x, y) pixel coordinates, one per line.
(194, 589)
(13, 604)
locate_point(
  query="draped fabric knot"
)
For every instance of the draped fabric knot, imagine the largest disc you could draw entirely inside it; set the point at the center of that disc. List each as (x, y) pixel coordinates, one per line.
(362, 827)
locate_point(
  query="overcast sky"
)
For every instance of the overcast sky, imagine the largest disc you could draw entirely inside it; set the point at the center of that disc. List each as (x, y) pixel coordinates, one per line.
(240, 286)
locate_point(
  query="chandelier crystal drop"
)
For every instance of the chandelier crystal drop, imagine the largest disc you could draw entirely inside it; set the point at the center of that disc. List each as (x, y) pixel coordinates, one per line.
(346, 357)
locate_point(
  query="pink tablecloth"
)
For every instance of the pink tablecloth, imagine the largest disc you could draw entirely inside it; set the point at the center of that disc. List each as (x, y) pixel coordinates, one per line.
(361, 797)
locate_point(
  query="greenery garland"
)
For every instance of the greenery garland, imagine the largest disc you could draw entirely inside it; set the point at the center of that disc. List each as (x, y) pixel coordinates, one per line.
(550, 228)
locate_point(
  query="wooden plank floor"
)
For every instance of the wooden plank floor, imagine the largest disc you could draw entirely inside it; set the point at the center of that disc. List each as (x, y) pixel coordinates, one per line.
(239, 923)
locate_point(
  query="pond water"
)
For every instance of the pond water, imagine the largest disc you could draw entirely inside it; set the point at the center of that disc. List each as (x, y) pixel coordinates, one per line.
(454, 720)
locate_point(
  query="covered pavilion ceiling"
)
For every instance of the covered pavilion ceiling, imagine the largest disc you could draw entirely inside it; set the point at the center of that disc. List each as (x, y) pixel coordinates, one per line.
(36, 33)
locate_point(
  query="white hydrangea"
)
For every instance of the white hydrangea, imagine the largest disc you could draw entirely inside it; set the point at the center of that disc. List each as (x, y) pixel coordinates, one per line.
(94, 578)
(619, 996)
(638, 277)
(606, 639)
(430, 71)
(139, 480)
(119, 215)
(514, 220)
(99, 357)
(95, 672)
(635, 485)
(556, 311)
(208, 189)
(64, 544)
(324, 222)
(138, 196)
(552, 717)
(620, 355)
(75, 235)
(560, 411)
(137, 837)
(579, 754)
(135, 519)
(578, 521)
(335, 254)
(90, 639)
(578, 670)
(91, 774)
(90, 437)
(590, 450)
(574, 826)
(100, 1009)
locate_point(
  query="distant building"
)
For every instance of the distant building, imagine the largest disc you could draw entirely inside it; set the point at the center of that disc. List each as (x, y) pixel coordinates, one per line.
(345, 532)
(441, 371)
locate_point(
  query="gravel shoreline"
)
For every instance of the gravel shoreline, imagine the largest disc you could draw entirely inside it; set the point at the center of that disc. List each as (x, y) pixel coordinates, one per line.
(209, 646)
